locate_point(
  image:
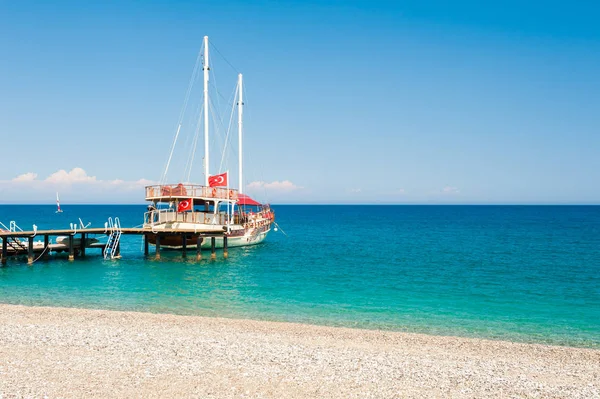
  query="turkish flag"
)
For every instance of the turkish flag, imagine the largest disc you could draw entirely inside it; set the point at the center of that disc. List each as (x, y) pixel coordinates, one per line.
(218, 180)
(185, 205)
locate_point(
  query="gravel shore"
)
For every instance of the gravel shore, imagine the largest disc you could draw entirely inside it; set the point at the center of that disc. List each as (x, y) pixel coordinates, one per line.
(75, 353)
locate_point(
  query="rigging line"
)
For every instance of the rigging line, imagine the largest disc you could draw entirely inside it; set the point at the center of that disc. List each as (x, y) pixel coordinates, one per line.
(228, 147)
(221, 95)
(193, 155)
(197, 118)
(231, 101)
(217, 131)
(220, 120)
(164, 176)
(229, 127)
(182, 112)
(211, 44)
(225, 144)
(191, 124)
(213, 83)
(249, 157)
(190, 162)
(217, 104)
(248, 114)
(217, 111)
(250, 160)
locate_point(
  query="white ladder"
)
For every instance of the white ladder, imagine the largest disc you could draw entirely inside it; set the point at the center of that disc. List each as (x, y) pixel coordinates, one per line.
(110, 251)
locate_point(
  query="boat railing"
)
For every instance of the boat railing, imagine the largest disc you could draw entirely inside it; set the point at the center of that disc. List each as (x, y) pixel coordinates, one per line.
(265, 213)
(189, 191)
(170, 216)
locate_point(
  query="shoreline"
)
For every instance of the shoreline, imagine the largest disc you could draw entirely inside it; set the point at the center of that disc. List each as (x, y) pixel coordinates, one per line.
(72, 352)
(593, 345)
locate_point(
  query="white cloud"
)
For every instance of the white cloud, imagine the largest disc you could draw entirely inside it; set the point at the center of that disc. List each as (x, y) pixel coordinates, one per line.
(144, 182)
(30, 176)
(74, 186)
(355, 190)
(450, 190)
(285, 185)
(76, 175)
(134, 185)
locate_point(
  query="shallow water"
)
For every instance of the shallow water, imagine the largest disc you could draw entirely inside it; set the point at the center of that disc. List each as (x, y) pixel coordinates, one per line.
(522, 273)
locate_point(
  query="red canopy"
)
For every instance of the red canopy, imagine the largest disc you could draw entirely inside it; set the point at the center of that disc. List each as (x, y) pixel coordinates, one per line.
(243, 199)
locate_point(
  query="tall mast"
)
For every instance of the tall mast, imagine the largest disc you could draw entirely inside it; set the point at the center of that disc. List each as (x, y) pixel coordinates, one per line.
(240, 112)
(206, 110)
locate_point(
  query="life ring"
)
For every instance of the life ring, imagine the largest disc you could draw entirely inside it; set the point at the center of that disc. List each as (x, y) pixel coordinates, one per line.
(206, 220)
(214, 192)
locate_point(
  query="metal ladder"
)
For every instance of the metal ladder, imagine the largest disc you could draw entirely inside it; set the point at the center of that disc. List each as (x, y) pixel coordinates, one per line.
(112, 245)
(16, 244)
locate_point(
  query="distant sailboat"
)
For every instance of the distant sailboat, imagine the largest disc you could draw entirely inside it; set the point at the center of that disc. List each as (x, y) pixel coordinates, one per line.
(58, 210)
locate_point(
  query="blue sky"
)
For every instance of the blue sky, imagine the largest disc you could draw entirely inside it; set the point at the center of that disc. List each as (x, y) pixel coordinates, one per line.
(346, 101)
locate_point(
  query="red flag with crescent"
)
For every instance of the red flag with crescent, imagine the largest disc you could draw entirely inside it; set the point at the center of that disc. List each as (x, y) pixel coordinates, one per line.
(218, 180)
(185, 205)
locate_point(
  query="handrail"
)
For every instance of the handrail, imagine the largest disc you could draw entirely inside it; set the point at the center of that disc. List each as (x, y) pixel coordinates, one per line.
(190, 191)
(161, 216)
(14, 227)
(13, 242)
(113, 239)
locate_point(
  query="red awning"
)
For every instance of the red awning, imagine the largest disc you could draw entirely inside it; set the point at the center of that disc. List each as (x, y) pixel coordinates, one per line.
(243, 199)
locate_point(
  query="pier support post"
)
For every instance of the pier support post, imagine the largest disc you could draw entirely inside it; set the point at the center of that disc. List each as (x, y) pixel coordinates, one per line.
(83, 244)
(46, 248)
(183, 246)
(146, 245)
(199, 248)
(158, 246)
(30, 251)
(213, 252)
(71, 249)
(225, 254)
(4, 249)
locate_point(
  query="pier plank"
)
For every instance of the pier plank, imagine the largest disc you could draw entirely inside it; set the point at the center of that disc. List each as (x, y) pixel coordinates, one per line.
(126, 230)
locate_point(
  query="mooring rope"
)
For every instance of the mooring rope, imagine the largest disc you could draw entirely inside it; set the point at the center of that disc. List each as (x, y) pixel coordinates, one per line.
(42, 254)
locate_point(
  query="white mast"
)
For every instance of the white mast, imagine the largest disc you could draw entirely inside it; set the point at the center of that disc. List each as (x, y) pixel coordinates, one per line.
(240, 111)
(206, 110)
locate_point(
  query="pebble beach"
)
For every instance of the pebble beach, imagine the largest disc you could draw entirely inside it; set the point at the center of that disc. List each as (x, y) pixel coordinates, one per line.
(68, 353)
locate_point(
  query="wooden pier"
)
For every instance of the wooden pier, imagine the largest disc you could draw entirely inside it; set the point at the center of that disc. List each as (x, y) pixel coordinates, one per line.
(78, 241)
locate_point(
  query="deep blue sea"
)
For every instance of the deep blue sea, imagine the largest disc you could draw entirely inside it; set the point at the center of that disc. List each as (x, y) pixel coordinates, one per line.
(519, 273)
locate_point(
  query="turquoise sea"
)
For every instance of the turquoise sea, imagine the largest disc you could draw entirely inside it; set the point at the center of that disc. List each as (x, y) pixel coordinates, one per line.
(520, 273)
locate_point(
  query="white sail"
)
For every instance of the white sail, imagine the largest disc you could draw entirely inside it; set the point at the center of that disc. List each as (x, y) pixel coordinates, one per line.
(58, 210)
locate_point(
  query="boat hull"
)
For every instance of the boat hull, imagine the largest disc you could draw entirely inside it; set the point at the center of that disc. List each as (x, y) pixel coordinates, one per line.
(238, 238)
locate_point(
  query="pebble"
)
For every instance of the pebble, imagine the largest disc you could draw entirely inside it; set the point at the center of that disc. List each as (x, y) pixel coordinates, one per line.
(74, 353)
